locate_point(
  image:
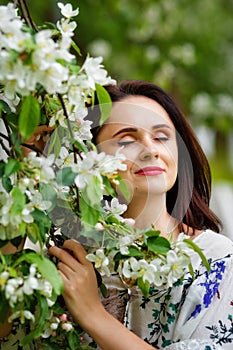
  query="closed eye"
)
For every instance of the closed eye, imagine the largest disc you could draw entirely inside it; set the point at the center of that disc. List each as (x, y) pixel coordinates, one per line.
(124, 143)
(161, 138)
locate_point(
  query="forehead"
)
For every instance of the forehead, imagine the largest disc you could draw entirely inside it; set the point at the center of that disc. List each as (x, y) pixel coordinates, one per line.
(139, 112)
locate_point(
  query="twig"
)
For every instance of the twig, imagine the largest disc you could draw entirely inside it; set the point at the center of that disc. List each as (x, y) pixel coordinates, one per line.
(32, 147)
(25, 13)
(74, 149)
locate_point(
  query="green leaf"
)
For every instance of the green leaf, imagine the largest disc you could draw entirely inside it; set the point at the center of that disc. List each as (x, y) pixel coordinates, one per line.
(105, 103)
(2, 167)
(122, 186)
(76, 48)
(11, 167)
(47, 269)
(158, 244)
(29, 116)
(9, 232)
(152, 233)
(65, 176)
(144, 286)
(42, 220)
(42, 302)
(190, 267)
(134, 251)
(104, 290)
(4, 107)
(49, 194)
(89, 214)
(110, 190)
(73, 340)
(93, 192)
(55, 141)
(19, 201)
(193, 246)
(6, 183)
(81, 147)
(33, 232)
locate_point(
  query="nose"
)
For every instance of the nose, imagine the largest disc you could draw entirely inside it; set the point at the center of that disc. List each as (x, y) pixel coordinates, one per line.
(148, 151)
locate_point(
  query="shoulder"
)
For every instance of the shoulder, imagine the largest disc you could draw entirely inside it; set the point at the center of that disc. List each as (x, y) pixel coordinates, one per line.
(215, 245)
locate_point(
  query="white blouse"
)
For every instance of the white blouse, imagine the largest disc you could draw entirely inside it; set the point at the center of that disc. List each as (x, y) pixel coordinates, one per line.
(193, 314)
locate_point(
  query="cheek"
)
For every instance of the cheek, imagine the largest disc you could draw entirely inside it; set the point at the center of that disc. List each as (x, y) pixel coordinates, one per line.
(172, 155)
(127, 173)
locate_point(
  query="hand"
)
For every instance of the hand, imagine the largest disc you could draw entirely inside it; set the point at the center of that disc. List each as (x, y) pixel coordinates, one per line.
(80, 285)
(82, 299)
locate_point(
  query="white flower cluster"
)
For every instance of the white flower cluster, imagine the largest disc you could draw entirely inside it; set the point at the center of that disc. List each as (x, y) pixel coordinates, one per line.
(95, 165)
(41, 167)
(16, 288)
(29, 59)
(162, 271)
(17, 206)
(54, 322)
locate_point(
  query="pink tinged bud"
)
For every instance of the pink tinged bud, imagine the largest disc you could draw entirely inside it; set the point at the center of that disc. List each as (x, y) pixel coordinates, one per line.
(63, 318)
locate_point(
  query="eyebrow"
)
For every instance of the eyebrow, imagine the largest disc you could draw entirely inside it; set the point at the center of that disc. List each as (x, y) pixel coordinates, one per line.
(157, 126)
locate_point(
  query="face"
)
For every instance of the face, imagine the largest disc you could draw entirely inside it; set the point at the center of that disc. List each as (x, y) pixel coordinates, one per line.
(144, 132)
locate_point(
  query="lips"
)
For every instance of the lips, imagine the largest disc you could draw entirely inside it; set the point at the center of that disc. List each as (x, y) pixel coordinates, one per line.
(150, 171)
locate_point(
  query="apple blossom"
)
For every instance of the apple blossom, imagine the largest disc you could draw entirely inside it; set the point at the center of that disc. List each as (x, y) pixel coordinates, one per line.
(100, 261)
(22, 315)
(67, 10)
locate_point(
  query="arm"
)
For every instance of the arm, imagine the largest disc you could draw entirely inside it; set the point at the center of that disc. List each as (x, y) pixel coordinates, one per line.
(82, 299)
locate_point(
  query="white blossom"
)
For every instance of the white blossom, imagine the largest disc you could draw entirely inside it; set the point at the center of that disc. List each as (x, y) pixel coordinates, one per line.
(3, 278)
(8, 217)
(174, 267)
(67, 326)
(22, 315)
(67, 10)
(66, 27)
(115, 208)
(65, 157)
(123, 244)
(12, 291)
(95, 72)
(101, 261)
(43, 166)
(134, 269)
(99, 226)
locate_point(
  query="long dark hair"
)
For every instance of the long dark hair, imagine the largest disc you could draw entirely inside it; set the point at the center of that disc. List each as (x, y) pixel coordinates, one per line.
(188, 200)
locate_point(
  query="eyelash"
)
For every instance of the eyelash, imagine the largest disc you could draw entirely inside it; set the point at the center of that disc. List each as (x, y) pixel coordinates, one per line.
(125, 143)
(162, 138)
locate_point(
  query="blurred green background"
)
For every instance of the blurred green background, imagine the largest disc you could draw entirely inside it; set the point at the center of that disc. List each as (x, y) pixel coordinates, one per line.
(184, 46)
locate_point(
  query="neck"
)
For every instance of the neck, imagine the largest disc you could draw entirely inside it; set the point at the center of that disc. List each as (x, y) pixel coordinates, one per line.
(152, 211)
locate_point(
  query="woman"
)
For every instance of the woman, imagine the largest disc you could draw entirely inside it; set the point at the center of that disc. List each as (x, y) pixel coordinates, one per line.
(169, 180)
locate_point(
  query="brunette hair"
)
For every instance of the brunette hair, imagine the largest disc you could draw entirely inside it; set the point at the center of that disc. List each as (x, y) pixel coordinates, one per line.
(188, 200)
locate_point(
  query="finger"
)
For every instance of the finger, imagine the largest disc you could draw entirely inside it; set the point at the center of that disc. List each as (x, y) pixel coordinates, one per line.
(66, 270)
(64, 256)
(77, 249)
